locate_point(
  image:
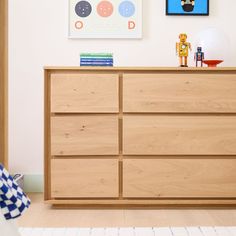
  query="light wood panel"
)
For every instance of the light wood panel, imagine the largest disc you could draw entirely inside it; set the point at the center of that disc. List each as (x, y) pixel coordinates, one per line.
(3, 80)
(80, 92)
(179, 135)
(84, 178)
(143, 203)
(180, 93)
(47, 136)
(179, 178)
(84, 135)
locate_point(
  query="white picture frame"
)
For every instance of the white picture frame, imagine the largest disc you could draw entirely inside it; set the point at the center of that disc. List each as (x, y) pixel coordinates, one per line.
(105, 19)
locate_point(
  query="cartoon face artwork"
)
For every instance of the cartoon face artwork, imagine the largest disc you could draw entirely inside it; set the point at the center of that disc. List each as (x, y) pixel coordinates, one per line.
(83, 9)
(105, 8)
(127, 9)
(188, 5)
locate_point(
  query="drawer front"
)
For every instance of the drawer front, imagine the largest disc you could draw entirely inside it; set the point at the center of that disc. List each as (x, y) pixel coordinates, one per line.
(179, 135)
(179, 93)
(84, 135)
(88, 178)
(84, 93)
(179, 178)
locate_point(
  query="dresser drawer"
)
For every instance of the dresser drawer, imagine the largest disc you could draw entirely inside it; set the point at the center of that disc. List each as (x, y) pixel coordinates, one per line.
(90, 178)
(177, 92)
(91, 93)
(84, 135)
(179, 135)
(179, 178)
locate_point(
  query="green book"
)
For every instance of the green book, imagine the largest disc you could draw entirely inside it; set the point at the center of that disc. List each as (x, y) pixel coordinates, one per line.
(97, 55)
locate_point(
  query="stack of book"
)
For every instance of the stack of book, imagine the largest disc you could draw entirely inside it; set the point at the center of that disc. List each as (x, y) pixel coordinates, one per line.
(96, 59)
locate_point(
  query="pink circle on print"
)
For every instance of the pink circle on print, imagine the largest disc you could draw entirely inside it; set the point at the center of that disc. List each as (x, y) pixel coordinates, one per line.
(105, 8)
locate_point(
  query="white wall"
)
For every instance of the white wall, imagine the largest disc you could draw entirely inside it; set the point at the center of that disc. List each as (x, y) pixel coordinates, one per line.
(38, 37)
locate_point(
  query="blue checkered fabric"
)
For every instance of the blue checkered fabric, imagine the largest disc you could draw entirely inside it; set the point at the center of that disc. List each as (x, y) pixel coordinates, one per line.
(13, 201)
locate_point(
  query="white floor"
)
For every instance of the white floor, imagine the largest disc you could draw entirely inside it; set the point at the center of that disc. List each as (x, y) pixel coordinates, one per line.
(188, 231)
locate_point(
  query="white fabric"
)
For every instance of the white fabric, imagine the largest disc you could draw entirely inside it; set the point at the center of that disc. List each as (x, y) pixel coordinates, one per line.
(8, 227)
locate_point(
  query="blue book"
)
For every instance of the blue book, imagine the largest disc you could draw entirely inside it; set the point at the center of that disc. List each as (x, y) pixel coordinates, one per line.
(96, 60)
(82, 64)
(95, 64)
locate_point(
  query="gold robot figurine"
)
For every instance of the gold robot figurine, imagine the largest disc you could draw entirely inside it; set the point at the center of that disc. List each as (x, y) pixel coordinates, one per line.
(182, 50)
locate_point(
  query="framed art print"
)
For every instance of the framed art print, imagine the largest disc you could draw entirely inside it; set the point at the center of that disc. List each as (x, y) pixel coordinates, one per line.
(187, 7)
(105, 18)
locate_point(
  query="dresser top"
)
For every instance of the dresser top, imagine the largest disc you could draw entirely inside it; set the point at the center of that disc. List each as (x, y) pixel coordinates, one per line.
(61, 68)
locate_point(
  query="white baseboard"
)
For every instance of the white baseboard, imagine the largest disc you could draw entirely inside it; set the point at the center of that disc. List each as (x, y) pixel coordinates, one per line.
(33, 183)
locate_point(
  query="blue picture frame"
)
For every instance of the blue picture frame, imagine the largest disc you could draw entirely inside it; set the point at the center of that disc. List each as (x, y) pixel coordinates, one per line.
(187, 7)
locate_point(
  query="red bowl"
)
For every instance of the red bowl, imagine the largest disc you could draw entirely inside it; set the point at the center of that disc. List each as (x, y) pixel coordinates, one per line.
(212, 63)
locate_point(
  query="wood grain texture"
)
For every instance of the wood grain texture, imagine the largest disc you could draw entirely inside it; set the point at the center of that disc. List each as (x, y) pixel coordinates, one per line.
(84, 135)
(3, 82)
(91, 93)
(47, 136)
(147, 203)
(179, 135)
(179, 178)
(185, 93)
(84, 178)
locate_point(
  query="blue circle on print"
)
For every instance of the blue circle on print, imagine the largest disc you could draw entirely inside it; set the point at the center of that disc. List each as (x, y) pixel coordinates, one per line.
(83, 9)
(127, 9)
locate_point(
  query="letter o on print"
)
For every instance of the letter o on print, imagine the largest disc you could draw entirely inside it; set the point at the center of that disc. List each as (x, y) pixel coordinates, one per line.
(79, 25)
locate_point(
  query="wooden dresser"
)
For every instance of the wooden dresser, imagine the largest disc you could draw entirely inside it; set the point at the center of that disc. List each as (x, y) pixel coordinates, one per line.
(140, 136)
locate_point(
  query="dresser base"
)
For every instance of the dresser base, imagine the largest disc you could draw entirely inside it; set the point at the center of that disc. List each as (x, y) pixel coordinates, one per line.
(158, 204)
